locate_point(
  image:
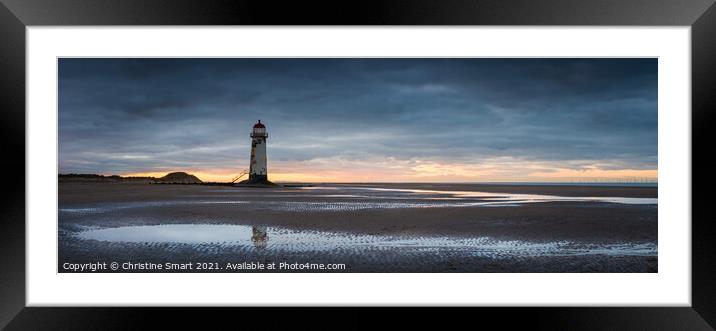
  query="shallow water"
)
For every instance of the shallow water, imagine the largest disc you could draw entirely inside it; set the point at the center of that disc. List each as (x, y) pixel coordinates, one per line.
(498, 197)
(282, 239)
(346, 199)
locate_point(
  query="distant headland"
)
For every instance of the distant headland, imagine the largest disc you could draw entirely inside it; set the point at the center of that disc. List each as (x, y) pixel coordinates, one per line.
(177, 178)
(170, 178)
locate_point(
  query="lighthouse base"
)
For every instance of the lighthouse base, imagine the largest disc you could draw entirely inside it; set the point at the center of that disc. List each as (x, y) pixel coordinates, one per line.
(258, 178)
(256, 181)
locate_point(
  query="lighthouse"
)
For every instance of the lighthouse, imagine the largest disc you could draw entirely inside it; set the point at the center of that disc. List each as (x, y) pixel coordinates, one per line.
(257, 169)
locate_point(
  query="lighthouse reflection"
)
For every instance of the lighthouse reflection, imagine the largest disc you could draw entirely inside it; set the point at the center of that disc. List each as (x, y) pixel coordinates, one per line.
(259, 236)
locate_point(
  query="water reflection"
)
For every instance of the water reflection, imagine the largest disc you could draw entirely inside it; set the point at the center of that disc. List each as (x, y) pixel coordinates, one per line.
(256, 238)
(498, 198)
(259, 236)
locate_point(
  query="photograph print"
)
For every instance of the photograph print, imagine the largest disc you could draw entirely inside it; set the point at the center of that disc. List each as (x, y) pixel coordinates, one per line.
(384, 165)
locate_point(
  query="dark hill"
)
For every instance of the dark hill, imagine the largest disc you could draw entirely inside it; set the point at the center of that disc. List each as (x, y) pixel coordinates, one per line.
(102, 178)
(179, 178)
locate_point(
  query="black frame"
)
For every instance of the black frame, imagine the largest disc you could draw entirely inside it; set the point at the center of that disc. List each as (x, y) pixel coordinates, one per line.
(15, 15)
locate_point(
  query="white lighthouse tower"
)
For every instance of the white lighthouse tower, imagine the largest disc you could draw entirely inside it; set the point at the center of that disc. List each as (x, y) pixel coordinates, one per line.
(258, 171)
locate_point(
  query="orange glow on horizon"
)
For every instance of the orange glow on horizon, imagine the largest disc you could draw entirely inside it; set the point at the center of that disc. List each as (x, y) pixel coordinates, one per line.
(599, 173)
(417, 171)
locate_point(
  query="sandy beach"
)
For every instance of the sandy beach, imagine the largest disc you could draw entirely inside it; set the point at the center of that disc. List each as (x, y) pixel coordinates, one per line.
(366, 227)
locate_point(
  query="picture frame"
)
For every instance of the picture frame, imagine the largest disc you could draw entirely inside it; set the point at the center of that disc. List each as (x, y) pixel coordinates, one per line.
(16, 15)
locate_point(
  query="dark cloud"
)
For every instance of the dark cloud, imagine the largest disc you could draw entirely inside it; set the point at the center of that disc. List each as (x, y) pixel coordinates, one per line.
(123, 115)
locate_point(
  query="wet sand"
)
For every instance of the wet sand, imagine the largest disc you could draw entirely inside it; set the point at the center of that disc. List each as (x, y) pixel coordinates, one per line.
(372, 227)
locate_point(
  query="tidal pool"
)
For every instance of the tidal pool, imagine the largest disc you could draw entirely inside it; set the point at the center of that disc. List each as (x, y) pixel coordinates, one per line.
(282, 239)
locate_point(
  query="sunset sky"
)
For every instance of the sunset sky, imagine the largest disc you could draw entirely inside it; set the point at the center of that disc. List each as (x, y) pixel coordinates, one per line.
(363, 120)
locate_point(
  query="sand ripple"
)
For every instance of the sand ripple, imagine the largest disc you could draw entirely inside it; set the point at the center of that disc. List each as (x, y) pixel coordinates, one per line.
(213, 238)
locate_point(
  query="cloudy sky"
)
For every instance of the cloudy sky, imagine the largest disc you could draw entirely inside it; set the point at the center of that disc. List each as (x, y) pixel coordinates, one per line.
(395, 120)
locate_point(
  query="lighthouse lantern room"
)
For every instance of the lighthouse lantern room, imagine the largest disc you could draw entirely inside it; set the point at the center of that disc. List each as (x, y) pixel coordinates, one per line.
(258, 170)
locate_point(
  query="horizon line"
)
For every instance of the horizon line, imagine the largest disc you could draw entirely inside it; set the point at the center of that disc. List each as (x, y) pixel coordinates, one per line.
(585, 181)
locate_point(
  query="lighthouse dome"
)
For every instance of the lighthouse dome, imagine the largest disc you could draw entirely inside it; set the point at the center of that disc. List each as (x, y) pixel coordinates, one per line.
(259, 131)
